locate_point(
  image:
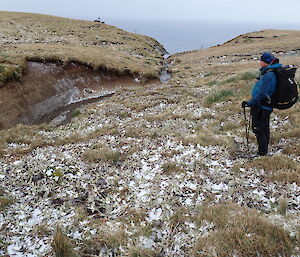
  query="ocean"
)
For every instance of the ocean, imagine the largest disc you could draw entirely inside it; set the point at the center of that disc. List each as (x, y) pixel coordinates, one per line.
(180, 36)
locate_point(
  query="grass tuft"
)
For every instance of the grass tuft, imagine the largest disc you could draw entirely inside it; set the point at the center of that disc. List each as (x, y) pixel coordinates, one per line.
(278, 168)
(238, 231)
(62, 245)
(103, 154)
(171, 168)
(282, 206)
(4, 203)
(109, 239)
(141, 252)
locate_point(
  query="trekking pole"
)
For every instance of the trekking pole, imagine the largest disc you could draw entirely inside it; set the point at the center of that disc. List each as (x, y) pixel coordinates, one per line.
(247, 128)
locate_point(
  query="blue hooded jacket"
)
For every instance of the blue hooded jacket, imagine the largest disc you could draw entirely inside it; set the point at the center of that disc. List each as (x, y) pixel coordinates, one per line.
(265, 87)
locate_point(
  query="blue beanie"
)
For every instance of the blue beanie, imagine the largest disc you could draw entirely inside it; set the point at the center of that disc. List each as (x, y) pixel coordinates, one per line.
(269, 58)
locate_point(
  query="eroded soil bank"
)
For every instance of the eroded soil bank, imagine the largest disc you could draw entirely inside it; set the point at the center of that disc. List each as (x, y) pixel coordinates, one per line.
(48, 87)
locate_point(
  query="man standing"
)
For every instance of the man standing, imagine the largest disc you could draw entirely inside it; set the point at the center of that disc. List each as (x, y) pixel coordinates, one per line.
(260, 101)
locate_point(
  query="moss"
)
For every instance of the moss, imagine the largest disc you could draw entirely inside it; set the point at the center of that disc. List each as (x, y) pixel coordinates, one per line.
(9, 72)
(76, 113)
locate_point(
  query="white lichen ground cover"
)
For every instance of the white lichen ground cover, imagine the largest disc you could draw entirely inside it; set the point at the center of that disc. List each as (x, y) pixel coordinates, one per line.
(149, 192)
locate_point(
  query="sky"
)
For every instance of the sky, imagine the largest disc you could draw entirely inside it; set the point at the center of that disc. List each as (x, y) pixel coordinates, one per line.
(243, 11)
(180, 25)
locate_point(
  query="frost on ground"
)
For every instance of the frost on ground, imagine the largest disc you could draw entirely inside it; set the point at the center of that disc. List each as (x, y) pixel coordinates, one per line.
(141, 172)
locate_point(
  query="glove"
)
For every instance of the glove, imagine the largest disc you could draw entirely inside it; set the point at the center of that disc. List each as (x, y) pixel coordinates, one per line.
(245, 104)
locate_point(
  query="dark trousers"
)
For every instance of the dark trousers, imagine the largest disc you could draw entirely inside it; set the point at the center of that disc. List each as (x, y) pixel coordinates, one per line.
(261, 128)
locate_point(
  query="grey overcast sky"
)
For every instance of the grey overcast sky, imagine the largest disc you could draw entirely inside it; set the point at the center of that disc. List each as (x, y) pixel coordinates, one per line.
(281, 11)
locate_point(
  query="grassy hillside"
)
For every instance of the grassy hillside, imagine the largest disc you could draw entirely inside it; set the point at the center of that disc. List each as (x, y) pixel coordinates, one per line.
(26, 36)
(160, 169)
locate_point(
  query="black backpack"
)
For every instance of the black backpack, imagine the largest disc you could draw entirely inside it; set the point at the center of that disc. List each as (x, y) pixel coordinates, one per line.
(286, 94)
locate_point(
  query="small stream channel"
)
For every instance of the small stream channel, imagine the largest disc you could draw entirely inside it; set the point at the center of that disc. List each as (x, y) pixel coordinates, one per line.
(165, 75)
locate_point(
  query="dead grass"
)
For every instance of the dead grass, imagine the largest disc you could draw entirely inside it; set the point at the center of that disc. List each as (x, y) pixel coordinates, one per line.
(31, 138)
(134, 132)
(180, 216)
(170, 168)
(292, 149)
(141, 252)
(239, 231)
(137, 216)
(242, 46)
(282, 205)
(62, 246)
(4, 203)
(103, 154)
(110, 239)
(141, 106)
(42, 230)
(278, 168)
(204, 137)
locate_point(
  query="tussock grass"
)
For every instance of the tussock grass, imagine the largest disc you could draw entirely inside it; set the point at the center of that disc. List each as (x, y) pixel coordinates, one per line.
(282, 206)
(4, 203)
(239, 231)
(22, 134)
(110, 239)
(180, 216)
(141, 252)
(204, 137)
(137, 216)
(42, 230)
(103, 154)
(171, 168)
(230, 125)
(293, 132)
(30, 138)
(134, 132)
(206, 115)
(159, 117)
(62, 245)
(144, 231)
(141, 106)
(278, 168)
(292, 149)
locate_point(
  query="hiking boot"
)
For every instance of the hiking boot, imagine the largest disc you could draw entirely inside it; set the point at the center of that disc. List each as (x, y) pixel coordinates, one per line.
(262, 153)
